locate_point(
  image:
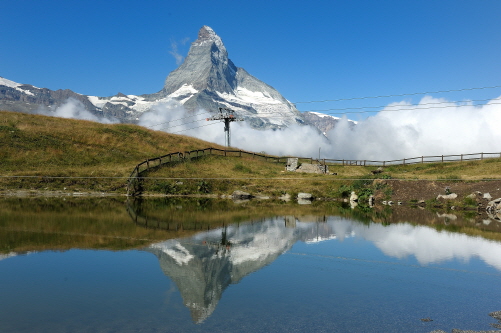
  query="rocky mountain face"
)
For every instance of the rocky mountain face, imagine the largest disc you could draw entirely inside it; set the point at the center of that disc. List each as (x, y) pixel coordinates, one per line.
(207, 80)
(323, 122)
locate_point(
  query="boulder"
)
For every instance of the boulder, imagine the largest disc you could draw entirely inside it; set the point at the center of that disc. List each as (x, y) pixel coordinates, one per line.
(494, 209)
(292, 164)
(305, 196)
(451, 196)
(353, 197)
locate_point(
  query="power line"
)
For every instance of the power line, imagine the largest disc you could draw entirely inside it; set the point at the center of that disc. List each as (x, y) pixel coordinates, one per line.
(410, 109)
(166, 122)
(401, 108)
(188, 129)
(351, 108)
(396, 95)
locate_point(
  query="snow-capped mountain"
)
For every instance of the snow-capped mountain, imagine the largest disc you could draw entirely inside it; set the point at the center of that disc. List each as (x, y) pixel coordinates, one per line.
(207, 79)
(204, 265)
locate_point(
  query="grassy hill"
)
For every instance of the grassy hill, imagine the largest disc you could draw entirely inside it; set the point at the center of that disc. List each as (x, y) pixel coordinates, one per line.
(35, 145)
(40, 148)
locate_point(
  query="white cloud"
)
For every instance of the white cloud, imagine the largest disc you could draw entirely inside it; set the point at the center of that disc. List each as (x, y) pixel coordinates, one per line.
(429, 246)
(424, 129)
(74, 109)
(175, 50)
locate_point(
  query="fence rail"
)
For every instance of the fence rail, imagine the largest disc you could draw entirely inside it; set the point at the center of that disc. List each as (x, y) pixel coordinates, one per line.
(134, 183)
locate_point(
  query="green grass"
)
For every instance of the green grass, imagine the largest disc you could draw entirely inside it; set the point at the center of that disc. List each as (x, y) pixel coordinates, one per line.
(47, 147)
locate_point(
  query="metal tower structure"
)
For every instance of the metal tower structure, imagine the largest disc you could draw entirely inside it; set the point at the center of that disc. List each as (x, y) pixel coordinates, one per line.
(227, 116)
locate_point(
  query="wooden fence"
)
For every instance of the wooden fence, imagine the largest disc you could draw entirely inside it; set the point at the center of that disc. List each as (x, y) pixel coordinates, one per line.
(134, 184)
(415, 160)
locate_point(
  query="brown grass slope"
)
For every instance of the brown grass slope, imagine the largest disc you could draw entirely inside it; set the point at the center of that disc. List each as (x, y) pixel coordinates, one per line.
(48, 147)
(35, 145)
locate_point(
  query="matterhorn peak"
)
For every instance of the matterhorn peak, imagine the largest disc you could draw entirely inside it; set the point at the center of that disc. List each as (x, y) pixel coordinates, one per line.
(208, 79)
(206, 66)
(206, 32)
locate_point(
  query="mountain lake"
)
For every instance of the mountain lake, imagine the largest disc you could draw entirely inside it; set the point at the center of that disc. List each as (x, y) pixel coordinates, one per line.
(204, 265)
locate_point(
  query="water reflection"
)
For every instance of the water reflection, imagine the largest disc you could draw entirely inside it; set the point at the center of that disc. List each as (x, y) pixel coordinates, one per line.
(328, 268)
(204, 265)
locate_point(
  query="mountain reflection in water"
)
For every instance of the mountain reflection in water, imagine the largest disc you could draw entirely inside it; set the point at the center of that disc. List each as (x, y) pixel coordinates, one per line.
(204, 265)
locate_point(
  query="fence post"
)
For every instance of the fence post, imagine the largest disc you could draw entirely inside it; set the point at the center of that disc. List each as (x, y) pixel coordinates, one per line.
(482, 156)
(364, 162)
(147, 164)
(461, 157)
(442, 158)
(240, 153)
(422, 159)
(384, 163)
(343, 162)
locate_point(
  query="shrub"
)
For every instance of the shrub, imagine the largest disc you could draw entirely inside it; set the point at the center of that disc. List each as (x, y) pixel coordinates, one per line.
(345, 190)
(204, 187)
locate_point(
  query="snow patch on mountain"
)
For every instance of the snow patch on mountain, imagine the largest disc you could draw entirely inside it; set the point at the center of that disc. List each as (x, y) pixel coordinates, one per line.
(323, 115)
(15, 85)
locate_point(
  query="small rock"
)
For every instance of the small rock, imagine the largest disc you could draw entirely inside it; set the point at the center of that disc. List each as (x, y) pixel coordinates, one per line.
(285, 197)
(353, 196)
(487, 196)
(241, 195)
(447, 196)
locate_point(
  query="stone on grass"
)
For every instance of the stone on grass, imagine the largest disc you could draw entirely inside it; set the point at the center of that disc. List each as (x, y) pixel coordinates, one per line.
(451, 196)
(241, 195)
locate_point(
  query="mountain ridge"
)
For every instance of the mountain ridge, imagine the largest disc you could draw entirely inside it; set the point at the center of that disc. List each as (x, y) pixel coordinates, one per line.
(207, 79)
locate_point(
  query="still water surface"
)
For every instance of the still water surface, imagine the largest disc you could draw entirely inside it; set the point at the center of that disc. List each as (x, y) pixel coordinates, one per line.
(283, 273)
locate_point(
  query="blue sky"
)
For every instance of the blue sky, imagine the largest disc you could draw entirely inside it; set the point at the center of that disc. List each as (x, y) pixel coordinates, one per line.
(317, 50)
